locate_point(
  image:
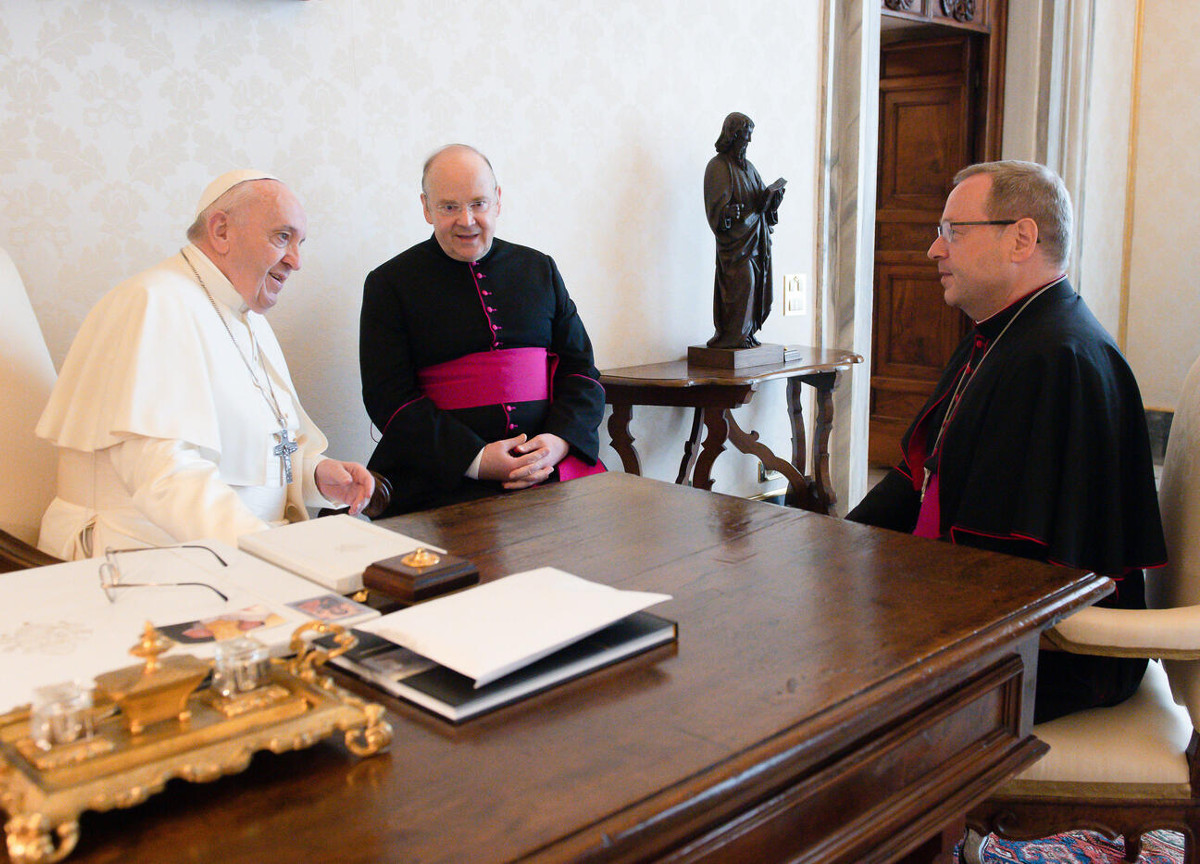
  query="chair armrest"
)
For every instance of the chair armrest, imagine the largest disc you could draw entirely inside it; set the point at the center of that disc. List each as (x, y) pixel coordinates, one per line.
(1172, 634)
(16, 554)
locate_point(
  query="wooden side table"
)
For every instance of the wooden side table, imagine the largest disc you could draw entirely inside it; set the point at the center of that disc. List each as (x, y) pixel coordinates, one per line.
(714, 393)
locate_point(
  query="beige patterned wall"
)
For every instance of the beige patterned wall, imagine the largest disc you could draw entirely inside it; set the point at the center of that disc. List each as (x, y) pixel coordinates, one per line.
(599, 117)
(1164, 279)
(1159, 185)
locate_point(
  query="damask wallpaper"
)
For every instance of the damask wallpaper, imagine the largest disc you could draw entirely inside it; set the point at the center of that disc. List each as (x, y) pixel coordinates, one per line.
(599, 118)
(1164, 301)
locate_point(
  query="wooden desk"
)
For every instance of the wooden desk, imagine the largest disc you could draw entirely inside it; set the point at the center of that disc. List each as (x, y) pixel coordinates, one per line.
(839, 694)
(714, 393)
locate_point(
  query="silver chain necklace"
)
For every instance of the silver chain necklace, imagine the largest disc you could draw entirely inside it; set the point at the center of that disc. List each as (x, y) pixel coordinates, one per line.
(285, 448)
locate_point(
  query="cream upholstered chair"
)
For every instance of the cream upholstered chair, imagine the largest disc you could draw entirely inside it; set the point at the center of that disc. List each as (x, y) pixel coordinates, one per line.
(1134, 767)
(28, 465)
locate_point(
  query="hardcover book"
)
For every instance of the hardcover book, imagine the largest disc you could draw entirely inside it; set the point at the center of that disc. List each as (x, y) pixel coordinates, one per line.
(452, 695)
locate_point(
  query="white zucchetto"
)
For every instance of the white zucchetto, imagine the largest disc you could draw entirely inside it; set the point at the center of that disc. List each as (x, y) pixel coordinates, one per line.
(227, 181)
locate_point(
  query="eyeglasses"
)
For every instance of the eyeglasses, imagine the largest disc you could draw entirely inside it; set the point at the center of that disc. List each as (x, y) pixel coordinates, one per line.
(452, 208)
(110, 573)
(945, 228)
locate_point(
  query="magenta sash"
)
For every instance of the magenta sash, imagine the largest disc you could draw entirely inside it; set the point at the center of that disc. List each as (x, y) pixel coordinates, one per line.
(489, 378)
(572, 468)
(495, 378)
(929, 519)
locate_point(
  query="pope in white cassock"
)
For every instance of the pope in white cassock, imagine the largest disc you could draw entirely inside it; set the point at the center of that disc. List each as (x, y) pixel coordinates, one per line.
(175, 415)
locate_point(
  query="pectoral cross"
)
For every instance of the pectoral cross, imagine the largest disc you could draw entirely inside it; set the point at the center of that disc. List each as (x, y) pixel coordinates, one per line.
(284, 450)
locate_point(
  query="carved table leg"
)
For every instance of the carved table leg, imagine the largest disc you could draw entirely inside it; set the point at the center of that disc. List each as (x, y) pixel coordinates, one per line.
(717, 423)
(801, 493)
(622, 441)
(690, 449)
(747, 442)
(824, 383)
(795, 387)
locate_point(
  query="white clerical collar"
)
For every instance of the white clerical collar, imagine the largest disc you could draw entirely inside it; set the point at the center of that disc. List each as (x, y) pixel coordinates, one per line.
(220, 287)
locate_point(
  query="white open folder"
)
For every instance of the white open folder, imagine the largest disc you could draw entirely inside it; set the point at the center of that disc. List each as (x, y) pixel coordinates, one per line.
(493, 629)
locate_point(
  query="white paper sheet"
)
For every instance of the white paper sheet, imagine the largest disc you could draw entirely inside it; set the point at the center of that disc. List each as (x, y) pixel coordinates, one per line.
(333, 551)
(492, 629)
(59, 626)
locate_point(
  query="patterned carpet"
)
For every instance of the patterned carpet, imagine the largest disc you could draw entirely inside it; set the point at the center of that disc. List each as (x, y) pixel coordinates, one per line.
(1083, 847)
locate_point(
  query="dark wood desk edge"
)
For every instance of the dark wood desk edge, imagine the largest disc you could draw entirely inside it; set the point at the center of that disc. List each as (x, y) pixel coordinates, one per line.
(684, 813)
(695, 809)
(693, 813)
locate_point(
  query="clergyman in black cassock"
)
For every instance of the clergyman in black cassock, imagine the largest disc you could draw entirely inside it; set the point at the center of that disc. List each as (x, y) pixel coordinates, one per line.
(1034, 442)
(454, 424)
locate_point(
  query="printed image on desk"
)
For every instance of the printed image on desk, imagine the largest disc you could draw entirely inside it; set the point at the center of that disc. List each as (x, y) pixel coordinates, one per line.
(714, 393)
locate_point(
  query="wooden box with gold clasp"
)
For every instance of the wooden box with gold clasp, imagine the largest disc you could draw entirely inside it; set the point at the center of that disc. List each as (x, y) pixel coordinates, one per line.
(419, 575)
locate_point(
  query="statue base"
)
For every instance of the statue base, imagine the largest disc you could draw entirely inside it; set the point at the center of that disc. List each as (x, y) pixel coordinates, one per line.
(734, 358)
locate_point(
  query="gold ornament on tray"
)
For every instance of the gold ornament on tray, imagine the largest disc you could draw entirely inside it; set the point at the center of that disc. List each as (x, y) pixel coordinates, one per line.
(71, 751)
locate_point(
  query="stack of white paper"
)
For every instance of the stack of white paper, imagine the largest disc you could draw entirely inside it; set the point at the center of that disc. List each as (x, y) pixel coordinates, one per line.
(496, 628)
(333, 551)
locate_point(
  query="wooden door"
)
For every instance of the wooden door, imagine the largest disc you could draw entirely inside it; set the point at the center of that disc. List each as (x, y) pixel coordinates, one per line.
(928, 130)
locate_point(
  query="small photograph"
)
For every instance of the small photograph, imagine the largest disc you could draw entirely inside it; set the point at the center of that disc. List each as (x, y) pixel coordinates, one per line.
(398, 664)
(331, 607)
(227, 626)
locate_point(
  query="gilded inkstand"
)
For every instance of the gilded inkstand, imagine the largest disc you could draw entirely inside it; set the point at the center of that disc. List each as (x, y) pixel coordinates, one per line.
(72, 750)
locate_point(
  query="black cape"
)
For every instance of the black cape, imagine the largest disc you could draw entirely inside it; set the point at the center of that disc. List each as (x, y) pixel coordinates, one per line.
(1047, 447)
(422, 308)
(1047, 456)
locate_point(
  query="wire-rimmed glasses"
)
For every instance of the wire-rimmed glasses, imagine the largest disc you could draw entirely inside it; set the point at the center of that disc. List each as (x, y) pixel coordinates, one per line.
(451, 209)
(110, 573)
(945, 228)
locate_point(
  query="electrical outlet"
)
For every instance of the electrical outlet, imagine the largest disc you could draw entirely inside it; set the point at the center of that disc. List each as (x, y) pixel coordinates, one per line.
(795, 294)
(766, 475)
